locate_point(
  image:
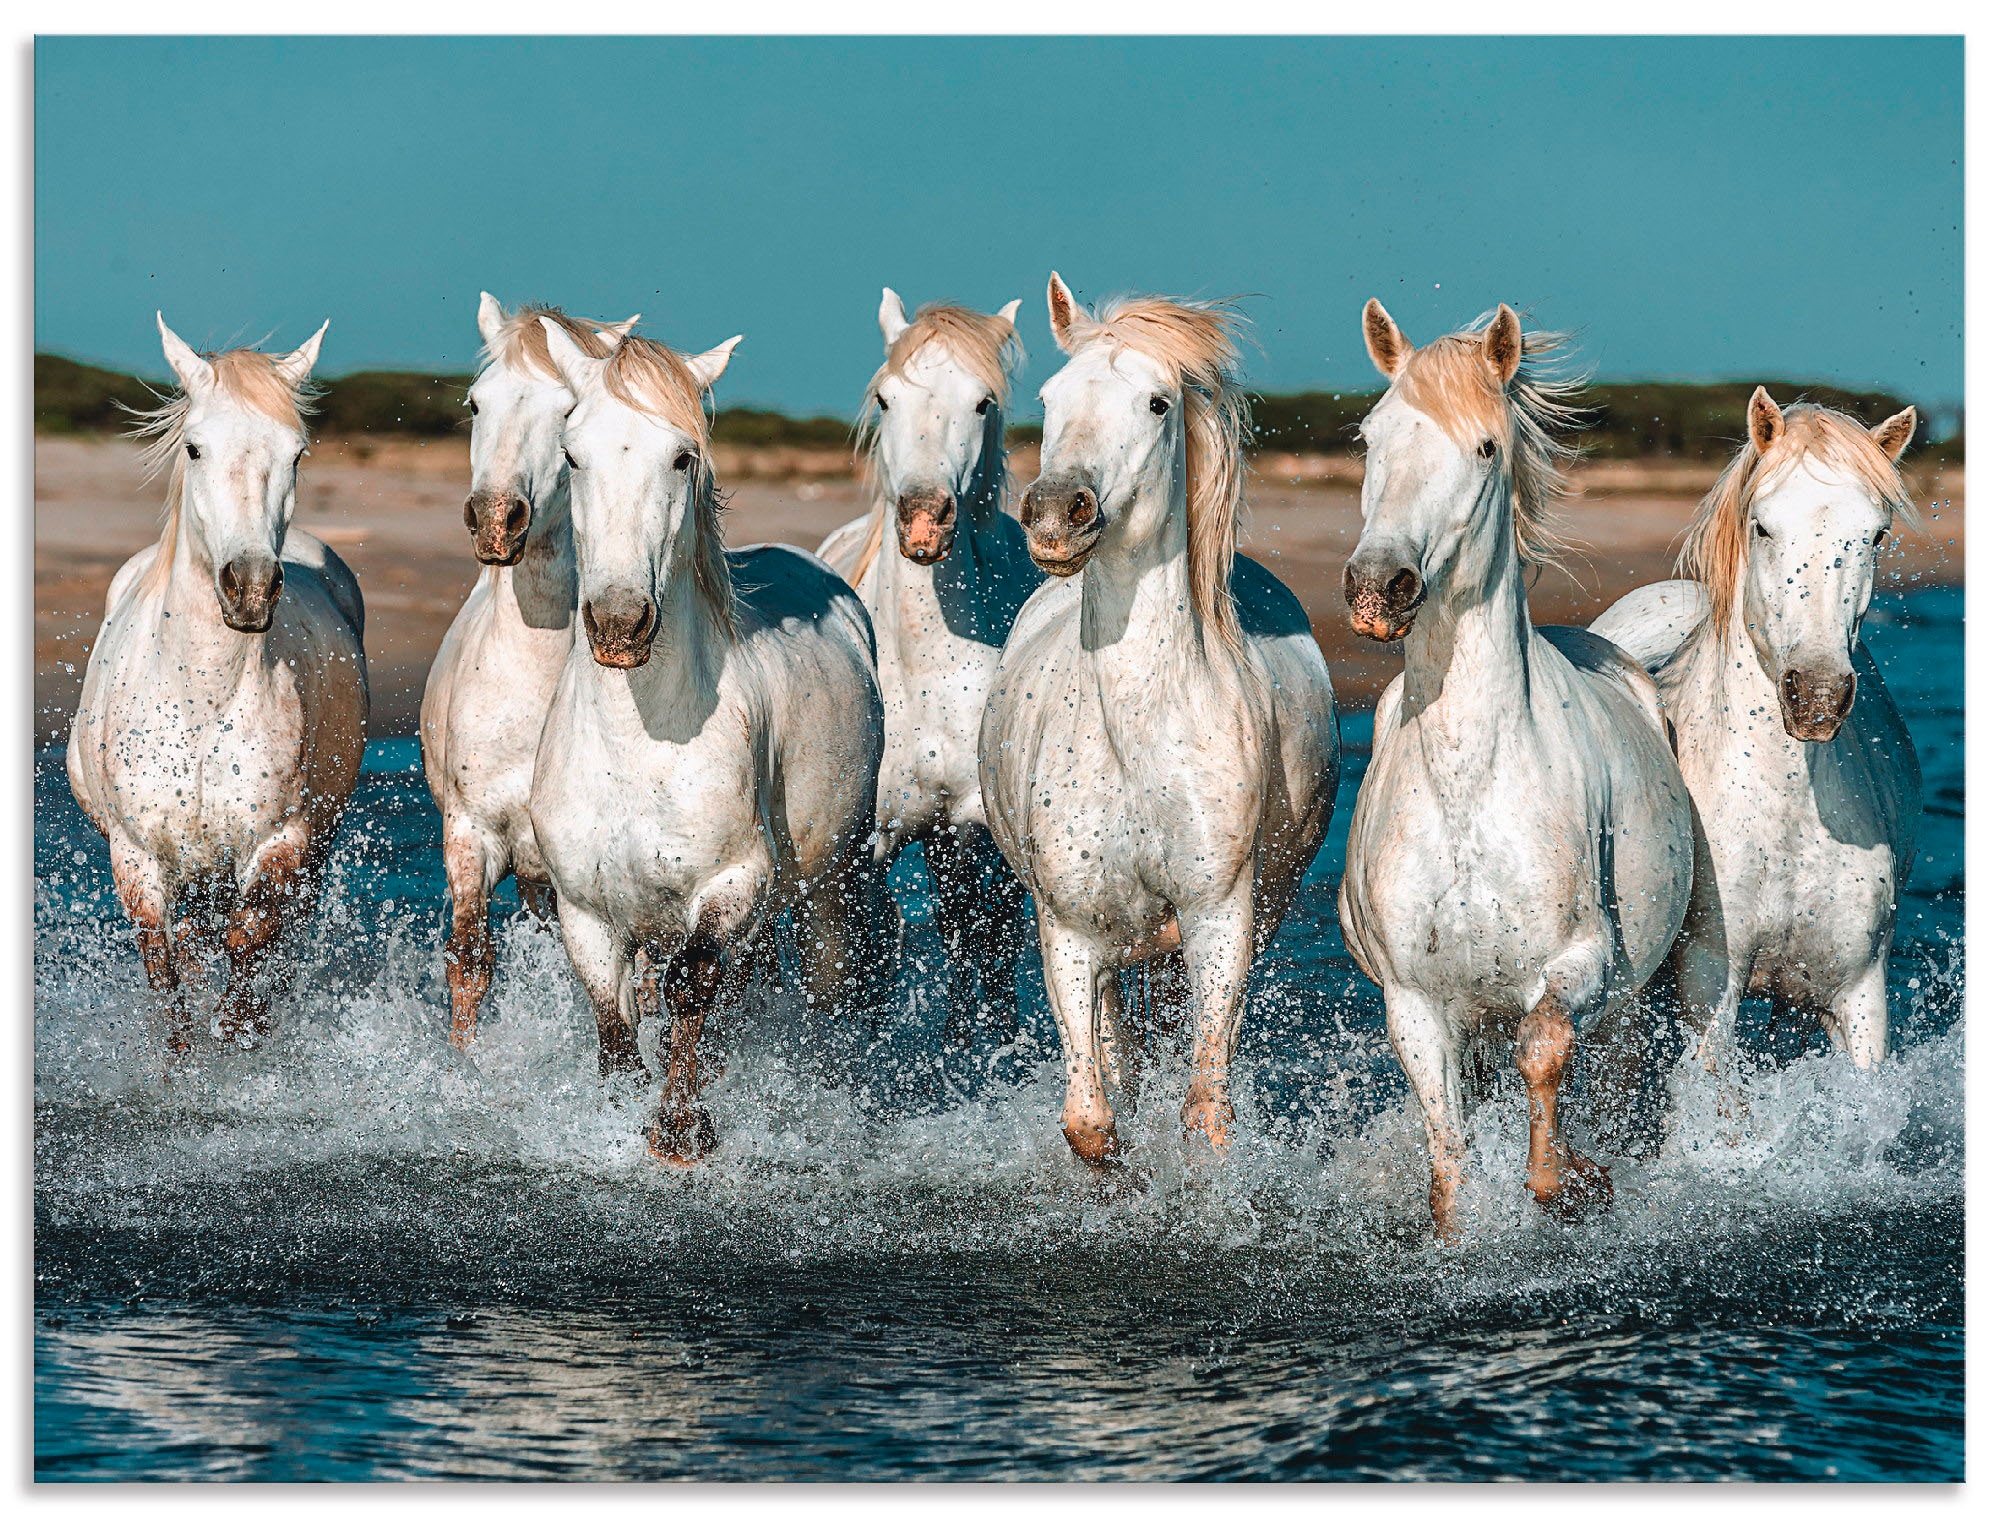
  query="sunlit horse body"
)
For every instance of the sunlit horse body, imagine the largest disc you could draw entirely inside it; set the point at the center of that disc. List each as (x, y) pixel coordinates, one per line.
(709, 758)
(490, 684)
(1519, 859)
(943, 598)
(1158, 755)
(226, 701)
(1805, 782)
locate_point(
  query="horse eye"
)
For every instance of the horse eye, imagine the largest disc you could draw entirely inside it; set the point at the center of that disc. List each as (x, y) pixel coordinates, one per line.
(193, 451)
(983, 407)
(570, 461)
(1160, 405)
(1881, 537)
(881, 401)
(684, 461)
(472, 405)
(1760, 529)
(1486, 448)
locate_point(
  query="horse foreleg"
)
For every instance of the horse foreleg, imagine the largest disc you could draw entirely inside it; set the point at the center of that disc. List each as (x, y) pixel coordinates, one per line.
(602, 960)
(1217, 947)
(470, 871)
(1427, 1049)
(681, 1133)
(538, 898)
(847, 933)
(1077, 976)
(1709, 989)
(1859, 1017)
(1563, 1181)
(979, 917)
(137, 881)
(280, 886)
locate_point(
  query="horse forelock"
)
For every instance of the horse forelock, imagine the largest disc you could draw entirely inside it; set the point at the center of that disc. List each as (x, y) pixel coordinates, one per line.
(522, 343)
(247, 376)
(1451, 382)
(1196, 341)
(1717, 541)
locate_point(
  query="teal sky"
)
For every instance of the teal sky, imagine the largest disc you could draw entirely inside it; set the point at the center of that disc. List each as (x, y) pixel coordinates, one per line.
(1696, 208)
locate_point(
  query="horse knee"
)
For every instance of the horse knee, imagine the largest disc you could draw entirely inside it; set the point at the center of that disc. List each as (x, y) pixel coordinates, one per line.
(1543, 1044)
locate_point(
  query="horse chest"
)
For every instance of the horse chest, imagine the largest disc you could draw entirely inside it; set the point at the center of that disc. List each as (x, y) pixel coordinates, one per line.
(932, 700)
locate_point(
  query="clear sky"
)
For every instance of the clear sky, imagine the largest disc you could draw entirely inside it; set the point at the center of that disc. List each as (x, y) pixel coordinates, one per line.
(1697, 208)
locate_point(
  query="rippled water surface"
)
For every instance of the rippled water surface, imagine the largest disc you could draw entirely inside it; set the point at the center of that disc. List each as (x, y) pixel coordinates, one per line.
(354, 1253)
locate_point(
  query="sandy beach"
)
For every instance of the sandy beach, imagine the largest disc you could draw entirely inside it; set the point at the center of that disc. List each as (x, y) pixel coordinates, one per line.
(392, 509)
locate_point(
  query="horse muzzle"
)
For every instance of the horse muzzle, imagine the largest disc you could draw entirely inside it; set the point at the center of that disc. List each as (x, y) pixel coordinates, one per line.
(1815, 704)
(620, 630)
(247, 590)
(1064, 520)
(498, 522)
(1382, 598)
(926, 523)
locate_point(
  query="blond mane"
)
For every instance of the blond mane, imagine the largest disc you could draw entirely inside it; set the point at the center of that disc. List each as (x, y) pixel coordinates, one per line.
(1718, 538)
(246, 375)
(1195, 341)
(651, 378)
(1451, 382)
(986, 347)
(522, 343)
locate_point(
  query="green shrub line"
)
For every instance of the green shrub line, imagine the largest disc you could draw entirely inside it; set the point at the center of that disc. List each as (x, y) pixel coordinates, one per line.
(1700, 422)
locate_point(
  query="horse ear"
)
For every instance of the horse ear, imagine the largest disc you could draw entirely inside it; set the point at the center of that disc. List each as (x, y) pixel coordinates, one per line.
(1502, 343)
(192, 370)
(1387, 345)
(708, 366)
(576, 366)
(1894, 434)
(491, 318)
(1767, 422)
(614, 332)
(1062, 310)
(891, 318)
(1008, 312)
(298, 363)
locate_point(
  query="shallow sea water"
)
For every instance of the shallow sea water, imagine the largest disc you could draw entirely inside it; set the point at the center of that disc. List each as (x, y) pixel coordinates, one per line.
(353, 1253)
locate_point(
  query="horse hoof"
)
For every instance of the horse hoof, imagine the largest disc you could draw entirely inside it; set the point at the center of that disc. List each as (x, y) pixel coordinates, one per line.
(1210, 1120)
(1580, 1189)
(681, 1138)
(1093, 1145)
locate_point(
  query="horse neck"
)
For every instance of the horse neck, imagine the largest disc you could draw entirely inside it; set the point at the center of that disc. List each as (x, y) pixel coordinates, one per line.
(1465, 661)
(541, 589)
(1141, 639)
(675, 690)
(1715, 679)
(203, 647)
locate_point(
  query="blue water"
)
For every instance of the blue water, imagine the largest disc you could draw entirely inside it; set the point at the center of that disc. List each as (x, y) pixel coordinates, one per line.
(355, 1254)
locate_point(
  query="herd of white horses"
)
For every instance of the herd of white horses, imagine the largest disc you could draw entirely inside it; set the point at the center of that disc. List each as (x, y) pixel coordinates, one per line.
(1096, 704)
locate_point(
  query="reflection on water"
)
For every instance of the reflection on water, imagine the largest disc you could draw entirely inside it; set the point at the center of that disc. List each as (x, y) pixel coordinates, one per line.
(356, 1253)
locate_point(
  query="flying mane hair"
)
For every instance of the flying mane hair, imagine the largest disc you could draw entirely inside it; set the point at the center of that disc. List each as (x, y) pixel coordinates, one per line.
(1196, 341)
(1450, 381)
(522, 343)
(987, 347)
(654, 380)
(1717, 540)
(248, 376)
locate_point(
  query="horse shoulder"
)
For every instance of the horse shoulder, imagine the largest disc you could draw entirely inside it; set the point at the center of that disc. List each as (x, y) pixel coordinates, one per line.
(1884, 741)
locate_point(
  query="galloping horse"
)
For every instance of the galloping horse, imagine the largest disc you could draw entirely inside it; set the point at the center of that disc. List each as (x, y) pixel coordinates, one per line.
(1158, 755)
(710, 754)
(1520, 854)
(224, 706)
(490, 684)
(942, 604)
(1805, 783)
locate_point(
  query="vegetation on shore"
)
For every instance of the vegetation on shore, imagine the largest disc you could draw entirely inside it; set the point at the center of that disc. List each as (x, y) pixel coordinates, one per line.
(1698, 422)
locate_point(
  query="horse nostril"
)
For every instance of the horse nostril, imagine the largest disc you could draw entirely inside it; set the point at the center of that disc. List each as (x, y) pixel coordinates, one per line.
(1791, 686)
(517, 516)
(1083, 510)
(471, 515)
(1403, 586)
(231, 580)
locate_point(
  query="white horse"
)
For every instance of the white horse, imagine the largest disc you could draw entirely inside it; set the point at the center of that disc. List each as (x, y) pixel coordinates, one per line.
(226, 700)
(494, 674)
(1520, 854)
(942, 605)
(710, 755)
(1805, 783)
(1158, 755)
